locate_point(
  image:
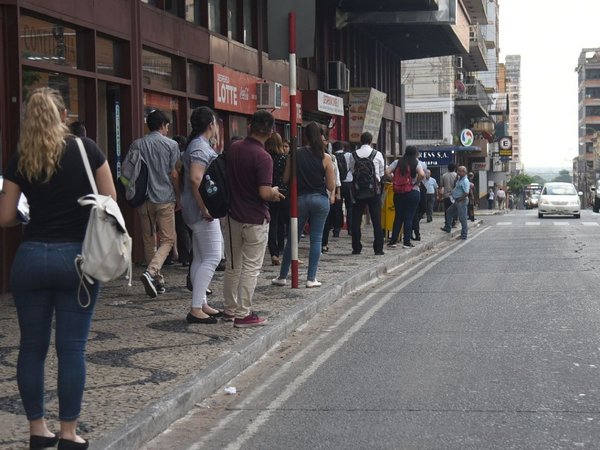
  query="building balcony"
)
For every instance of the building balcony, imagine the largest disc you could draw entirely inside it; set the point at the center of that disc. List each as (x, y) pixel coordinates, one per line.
(591, 83)
(413, 29)
(472, 100)
(476, 59)
(591, 102)
(477, 11)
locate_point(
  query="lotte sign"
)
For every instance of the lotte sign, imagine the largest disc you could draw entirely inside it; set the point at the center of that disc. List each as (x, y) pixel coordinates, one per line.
(236, 91)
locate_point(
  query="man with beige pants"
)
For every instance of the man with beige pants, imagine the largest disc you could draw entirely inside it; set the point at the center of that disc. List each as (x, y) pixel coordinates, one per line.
(157, 214)
(246, 227)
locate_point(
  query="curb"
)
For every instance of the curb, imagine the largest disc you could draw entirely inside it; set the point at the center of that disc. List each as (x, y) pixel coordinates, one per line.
(160, 414)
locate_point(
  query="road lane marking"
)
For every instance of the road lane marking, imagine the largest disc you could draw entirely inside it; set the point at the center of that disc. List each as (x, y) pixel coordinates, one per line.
(503, 223)
(300, 380)
(561, 224)
(590, 224)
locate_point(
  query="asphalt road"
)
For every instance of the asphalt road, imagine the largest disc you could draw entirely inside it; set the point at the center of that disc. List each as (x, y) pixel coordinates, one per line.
(490, 343)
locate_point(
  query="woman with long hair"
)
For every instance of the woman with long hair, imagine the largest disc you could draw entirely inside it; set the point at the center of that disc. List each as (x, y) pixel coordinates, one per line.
(406, 203)
(207, 240)
(49, 170)
(279, 211)
(315, 176)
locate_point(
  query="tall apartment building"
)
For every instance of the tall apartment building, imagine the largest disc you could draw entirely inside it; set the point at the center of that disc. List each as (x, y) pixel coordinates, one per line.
(447, 95)
(586, 169)
(513, 89)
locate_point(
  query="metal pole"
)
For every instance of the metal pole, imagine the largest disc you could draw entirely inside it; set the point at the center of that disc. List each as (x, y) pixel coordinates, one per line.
(293, 231)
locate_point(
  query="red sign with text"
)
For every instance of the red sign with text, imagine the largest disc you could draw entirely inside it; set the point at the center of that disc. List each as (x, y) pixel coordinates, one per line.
(236, 91)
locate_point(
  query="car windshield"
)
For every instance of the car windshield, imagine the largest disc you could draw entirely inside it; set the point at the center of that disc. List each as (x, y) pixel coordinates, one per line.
(560, 189)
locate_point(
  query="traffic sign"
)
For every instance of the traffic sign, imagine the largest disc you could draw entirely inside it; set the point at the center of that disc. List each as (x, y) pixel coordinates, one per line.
(505, 146)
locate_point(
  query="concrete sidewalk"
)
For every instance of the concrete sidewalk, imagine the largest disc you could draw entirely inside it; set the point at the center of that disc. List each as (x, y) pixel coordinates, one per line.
(147, 367)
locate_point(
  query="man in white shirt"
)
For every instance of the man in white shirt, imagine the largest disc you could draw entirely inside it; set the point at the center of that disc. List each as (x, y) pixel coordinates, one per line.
(431, 185)
(366, 196)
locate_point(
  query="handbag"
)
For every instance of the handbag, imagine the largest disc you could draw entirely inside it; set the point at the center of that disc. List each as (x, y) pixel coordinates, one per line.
(106, 250)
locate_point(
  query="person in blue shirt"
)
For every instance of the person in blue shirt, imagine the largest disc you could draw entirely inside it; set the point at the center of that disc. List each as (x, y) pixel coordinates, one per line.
(460, 203)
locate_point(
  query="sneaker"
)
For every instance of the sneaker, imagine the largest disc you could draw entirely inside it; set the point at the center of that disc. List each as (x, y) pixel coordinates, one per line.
(148, 283)
(251, 320)
(279, 281)
(392, 245)
(445, 229)
(160, 288)
(226, 317)
(313, 284)
(379, 253)
(275, 260)
(324, 249)
(416, 238)
(409, 245)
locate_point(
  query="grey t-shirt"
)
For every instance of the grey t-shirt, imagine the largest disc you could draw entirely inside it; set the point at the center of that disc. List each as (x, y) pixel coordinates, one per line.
(200, 152)
(161, 154)
(447, 182)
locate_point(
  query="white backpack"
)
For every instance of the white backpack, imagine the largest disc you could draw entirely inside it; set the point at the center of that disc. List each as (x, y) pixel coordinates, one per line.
(106, 251)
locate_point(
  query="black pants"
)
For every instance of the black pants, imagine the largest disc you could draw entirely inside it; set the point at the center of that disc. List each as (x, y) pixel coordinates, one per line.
(374, 205)
(280, 218)
(447, 204)
(333, 222)
(184, 239)
(348, 203)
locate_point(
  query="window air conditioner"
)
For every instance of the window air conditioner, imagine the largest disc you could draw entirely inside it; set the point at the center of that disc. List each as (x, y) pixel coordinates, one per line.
(338, 77)
(268, 95)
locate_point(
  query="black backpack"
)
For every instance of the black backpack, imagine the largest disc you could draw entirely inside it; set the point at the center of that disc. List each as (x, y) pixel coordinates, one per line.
(364, 181)
(214, 189)
(342, 165)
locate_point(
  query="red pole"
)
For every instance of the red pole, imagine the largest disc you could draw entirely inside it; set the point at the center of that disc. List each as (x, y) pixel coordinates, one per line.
(293, 231)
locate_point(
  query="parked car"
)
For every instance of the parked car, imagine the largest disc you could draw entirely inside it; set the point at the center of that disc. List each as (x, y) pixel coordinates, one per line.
(532, 201)
(559, 199)
(596, 194)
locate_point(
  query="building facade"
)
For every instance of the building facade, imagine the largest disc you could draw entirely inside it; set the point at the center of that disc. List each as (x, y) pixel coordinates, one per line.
(116, 60)
(586, 168)
(513, 90)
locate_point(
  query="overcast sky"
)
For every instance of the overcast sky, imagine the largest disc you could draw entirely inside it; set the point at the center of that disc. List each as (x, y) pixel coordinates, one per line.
(549, 36)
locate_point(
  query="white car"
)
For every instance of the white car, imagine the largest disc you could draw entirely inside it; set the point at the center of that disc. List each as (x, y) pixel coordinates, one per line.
(559, 199)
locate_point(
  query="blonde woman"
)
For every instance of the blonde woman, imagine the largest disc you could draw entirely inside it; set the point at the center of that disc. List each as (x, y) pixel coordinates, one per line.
(49, 170)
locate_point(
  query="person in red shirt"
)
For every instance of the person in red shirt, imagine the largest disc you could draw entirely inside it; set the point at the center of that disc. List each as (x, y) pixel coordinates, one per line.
(246, 227)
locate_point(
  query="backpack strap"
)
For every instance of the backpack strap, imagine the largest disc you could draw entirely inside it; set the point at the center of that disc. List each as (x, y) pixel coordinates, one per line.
(86, 163)
(373, 154)
(355, 156)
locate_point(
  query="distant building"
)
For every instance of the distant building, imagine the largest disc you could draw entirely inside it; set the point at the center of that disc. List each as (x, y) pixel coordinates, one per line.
(586, 167)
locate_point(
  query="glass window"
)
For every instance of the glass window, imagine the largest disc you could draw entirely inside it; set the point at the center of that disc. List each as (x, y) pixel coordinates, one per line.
(192, 11)
(198, 76)
(110, 57)
(214, 15)
(48, 42)
(71, 89)
(232, 20)
(167, 104)
(161, 71)
(248, 23)
(424, 126)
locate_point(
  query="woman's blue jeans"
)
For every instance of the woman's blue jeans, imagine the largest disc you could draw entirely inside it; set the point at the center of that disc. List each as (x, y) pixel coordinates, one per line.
(406, 207)
(44, 282)
(313, 208)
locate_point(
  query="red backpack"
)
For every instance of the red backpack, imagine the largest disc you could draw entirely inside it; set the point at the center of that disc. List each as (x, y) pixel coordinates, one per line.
(402, 183)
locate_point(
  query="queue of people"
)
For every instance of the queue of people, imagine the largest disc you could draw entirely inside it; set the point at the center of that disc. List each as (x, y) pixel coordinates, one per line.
(330, 178)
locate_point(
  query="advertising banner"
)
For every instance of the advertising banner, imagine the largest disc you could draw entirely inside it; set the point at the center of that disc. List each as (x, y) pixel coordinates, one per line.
(366, 110)
(236, 91)
(374, 113)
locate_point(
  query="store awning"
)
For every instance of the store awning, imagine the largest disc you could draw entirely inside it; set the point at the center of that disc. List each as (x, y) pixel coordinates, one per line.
(447, 148)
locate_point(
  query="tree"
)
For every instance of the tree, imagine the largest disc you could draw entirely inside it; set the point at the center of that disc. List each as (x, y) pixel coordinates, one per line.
(539, 180)
(518, 182)
(563, 176)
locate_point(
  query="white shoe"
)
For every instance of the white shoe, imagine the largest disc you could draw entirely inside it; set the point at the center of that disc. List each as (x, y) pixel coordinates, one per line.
(312, 284)
(279, 281)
